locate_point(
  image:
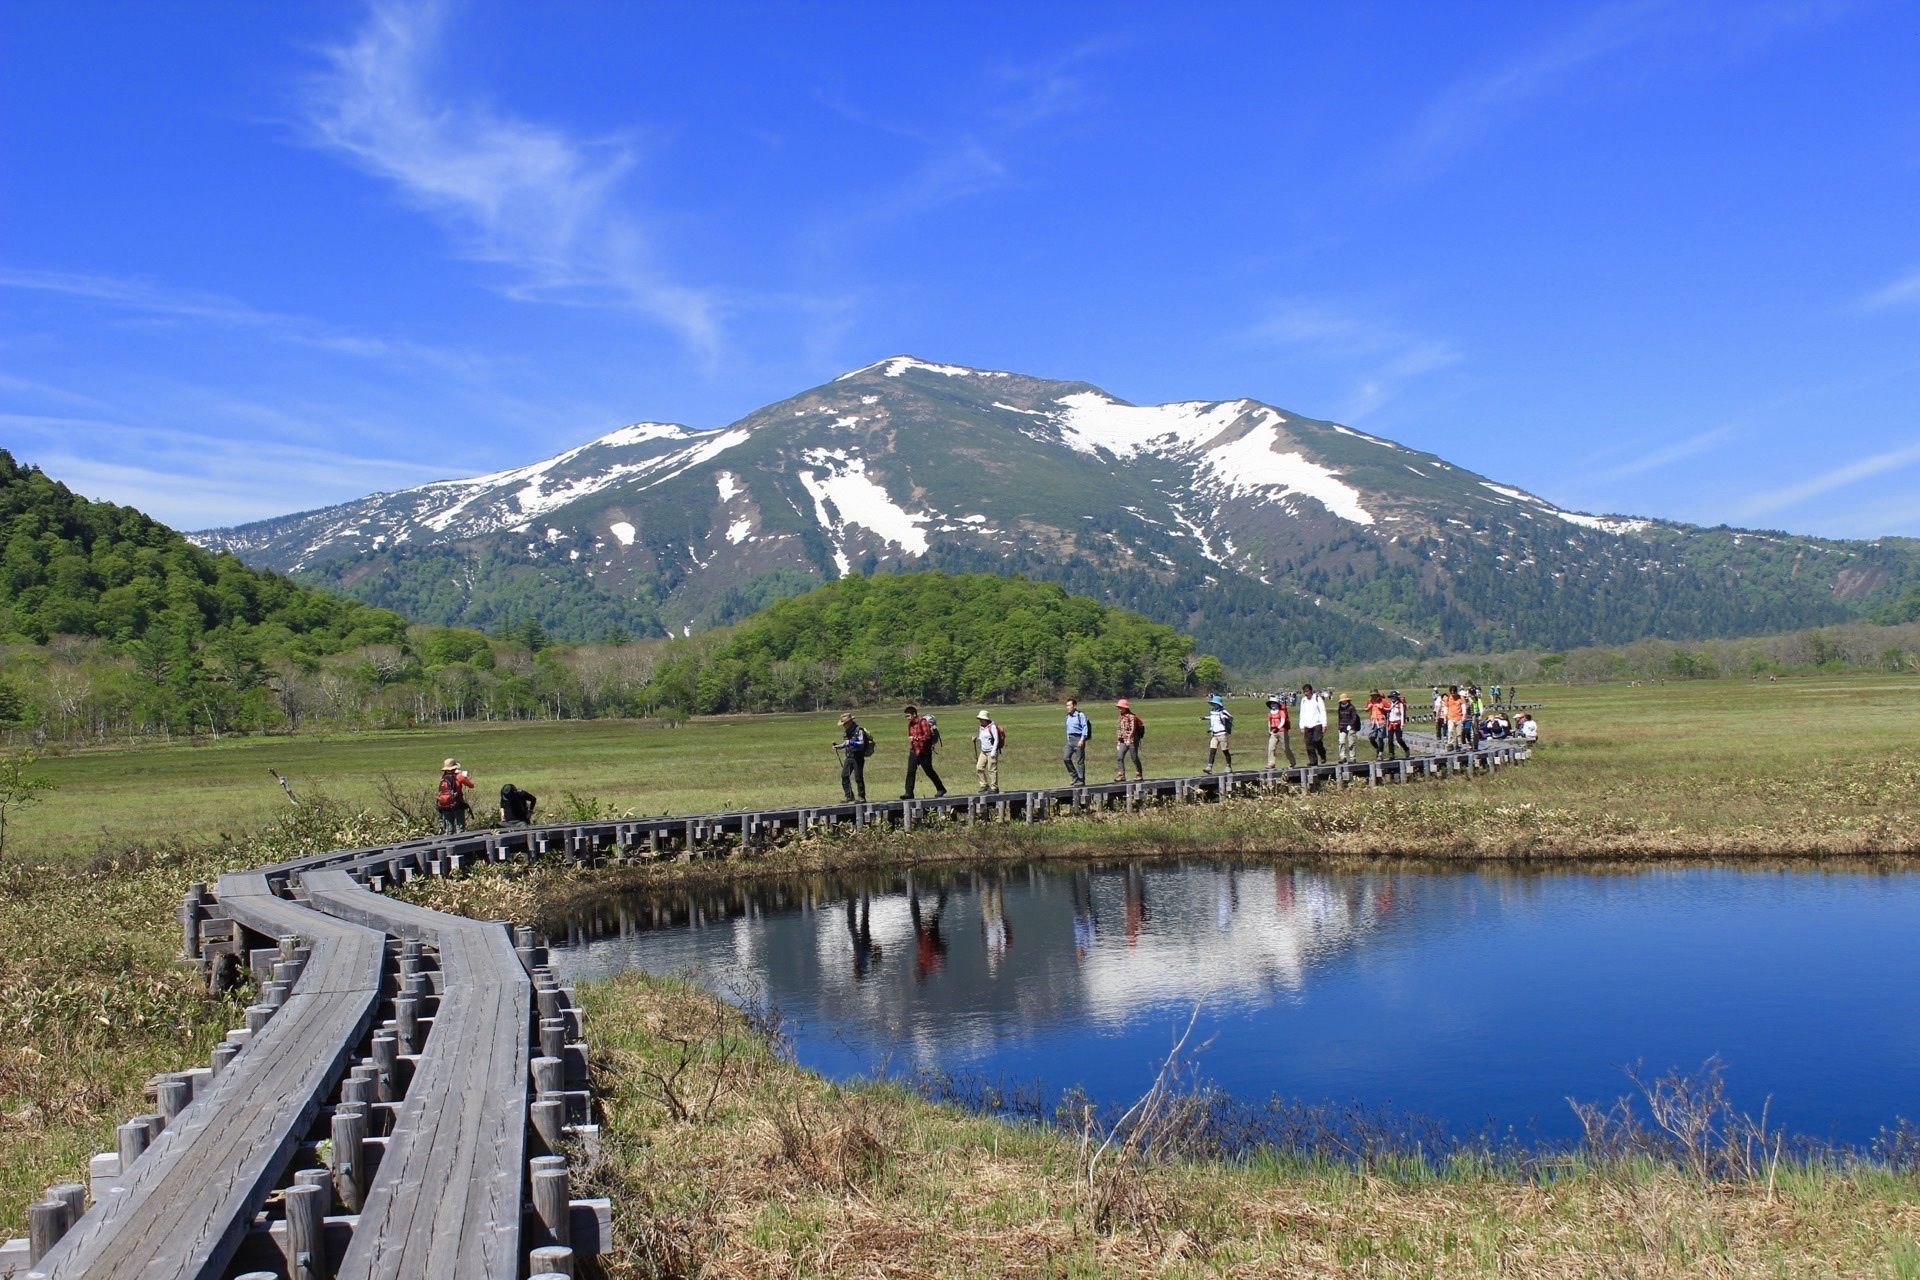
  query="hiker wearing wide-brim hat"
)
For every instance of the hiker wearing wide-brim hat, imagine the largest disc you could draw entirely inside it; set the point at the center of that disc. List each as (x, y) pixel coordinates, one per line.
(1129, 730)
(449, 798)
(1219, 733)
(988, 740)
(855, 745)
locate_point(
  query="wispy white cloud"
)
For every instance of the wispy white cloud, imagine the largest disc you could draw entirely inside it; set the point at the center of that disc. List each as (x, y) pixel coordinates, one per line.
(1904, 292)
(1840, 477)
(1659, 459)
(544, 206)
(145, 298)
(1379, 357)
(193, 480)
(1634, 36)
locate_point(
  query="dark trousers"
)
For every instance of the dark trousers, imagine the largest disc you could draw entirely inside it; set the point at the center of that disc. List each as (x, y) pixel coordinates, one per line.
(1316, 738)
(853, 774)
(1396, 734)
(917, 760)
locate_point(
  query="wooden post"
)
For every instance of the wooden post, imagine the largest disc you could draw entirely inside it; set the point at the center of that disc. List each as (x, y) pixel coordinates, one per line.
(349, 1157)
(320, 1180)
(552, 1200)
(307, 1234)
(131, 1140)
(549, 1075)
(74, 1196)
(174, 1095)
(46, 1223)
(553, 1037)
(386, 1061)
(551, 1260)
(549, 1121)
(406, 1015)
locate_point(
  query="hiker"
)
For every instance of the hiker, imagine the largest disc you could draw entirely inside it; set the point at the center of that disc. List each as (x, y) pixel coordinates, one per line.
(1397, 725)
(1219, 732)
(986, 753)
(855, 745)
(922, 736)
(1377, 723)
(449, 799)
(516, 806)
(1496, 695)
(1347, 717)
(1074, 754)
(1313, 724)
(1439, 714)
(1129, 731)
(1279, 729)
(1455, 707)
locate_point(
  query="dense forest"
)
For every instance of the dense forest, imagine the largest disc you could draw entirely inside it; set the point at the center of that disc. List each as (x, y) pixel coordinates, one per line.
(938, 637)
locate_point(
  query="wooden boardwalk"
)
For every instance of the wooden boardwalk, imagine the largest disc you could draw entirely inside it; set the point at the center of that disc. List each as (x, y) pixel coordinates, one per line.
(406, 1091)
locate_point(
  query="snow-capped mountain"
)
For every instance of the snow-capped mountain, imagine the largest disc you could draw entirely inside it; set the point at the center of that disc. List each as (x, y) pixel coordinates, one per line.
(1272, 535)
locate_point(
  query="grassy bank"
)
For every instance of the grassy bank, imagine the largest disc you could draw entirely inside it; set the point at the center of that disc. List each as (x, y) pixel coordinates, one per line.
(785, 1174)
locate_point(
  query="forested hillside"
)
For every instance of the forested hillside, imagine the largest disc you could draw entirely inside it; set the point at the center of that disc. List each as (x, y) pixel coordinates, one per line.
(194, 634)
(938, 638)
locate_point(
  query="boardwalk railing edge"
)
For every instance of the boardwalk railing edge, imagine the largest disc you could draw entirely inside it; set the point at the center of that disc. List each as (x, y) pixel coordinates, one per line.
(407, 1090)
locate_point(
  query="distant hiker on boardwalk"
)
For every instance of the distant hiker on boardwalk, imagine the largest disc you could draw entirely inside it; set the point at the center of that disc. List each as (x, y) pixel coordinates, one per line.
(1129, 731)
(516, 806)
(1313, 724)
(1219, 732)
(855, 745)
(1455, 707)
(1074, 753)
(1348, 716)
(1439, 714)
(449, 798)
(1397, 725)
(921, 738)
(986, 752)
(1279, 730)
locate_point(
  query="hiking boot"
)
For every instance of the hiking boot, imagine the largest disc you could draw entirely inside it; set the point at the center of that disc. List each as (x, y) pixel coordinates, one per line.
(942, 791)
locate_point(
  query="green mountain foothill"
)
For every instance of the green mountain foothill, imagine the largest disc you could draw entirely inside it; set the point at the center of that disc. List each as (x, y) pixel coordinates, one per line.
(1273, 538)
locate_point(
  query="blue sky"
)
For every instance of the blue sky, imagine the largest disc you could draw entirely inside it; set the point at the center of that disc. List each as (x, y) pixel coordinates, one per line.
(1649, 258)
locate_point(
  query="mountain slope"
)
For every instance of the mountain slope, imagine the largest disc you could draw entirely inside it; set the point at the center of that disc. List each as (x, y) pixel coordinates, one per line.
(1270, 536)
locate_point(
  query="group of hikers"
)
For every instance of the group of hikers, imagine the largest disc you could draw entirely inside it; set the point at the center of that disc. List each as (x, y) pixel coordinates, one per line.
(1463, 720)
(1381, 721)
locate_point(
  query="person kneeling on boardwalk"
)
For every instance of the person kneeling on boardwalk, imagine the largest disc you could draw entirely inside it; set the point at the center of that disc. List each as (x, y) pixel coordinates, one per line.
(1129, 731)
(449, 798)
(921, 739)
(516, 806)
(986, 758)
(855, 745)
(1219, 733)
(1313, 724)
(1279, 730)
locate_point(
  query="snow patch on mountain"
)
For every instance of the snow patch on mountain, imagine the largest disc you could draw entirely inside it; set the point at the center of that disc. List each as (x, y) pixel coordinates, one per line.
(894, 366)
(738, 531)
(622, 532)
(728, 485)
(1604, 523)
(1255, 461)
(1094, 422)
(841, 485)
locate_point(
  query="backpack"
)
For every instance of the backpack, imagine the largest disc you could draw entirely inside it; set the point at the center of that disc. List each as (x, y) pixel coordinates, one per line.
(1139, 730)
(933, 738)
(1226, 718)
(449, 793)
(867, 745)
(999, 737)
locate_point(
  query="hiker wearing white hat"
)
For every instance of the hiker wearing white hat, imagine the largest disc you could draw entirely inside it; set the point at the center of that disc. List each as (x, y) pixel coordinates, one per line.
(986, 752)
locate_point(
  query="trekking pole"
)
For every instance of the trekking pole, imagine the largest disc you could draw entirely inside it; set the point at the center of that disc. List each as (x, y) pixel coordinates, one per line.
(286, 787)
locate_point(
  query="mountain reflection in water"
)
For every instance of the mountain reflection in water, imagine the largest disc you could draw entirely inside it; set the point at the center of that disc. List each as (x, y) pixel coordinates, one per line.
(1473, 996)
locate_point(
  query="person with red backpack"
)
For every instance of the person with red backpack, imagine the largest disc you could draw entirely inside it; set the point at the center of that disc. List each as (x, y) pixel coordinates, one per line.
(987, 745)
(449, 797)
(1129, 732)
(921, 738)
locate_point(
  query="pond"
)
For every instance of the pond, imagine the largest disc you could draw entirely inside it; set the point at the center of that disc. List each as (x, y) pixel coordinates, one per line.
(1482, 998)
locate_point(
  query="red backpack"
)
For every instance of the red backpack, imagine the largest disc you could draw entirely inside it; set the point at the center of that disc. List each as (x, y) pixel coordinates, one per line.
(448, 796)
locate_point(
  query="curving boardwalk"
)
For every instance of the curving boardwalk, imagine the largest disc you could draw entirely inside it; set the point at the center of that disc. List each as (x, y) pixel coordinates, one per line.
(404, 1097)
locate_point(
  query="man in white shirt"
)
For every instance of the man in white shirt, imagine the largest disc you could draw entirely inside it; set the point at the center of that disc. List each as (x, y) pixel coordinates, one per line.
(986, 759)
(1313, 724)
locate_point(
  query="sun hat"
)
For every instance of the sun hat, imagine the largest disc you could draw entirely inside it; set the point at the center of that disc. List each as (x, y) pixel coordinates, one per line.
(1273, 699)
(449, 763)
(1216, 701)
(847, 718)
(1124, 705)
(983, 715)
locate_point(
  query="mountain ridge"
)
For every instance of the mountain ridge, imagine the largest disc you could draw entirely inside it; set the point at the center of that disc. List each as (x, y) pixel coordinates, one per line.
(1270, 535)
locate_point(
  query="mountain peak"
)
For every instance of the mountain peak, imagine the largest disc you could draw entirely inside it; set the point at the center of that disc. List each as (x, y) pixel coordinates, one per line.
(895, 366)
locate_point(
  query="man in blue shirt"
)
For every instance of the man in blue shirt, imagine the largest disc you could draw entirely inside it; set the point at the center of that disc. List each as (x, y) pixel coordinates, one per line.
(1074, 755)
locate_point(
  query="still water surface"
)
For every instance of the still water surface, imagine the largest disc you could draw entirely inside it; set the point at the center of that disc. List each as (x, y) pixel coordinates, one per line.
(1483, 997)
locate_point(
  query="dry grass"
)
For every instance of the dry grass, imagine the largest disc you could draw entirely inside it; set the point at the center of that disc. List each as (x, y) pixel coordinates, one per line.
(789, 1175)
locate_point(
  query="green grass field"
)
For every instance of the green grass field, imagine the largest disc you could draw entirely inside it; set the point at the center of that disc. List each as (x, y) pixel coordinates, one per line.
(1695, 760)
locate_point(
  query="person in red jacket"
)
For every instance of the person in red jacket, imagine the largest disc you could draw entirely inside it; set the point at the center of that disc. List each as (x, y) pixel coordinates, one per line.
(1279, 730)
(450, 798)
(920, 743)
